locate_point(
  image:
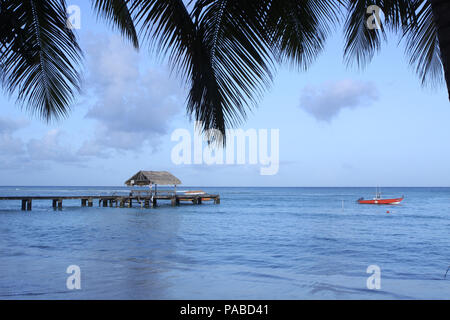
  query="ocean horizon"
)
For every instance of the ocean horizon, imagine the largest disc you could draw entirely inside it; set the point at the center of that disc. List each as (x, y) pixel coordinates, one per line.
(212, 186)
(259, 243)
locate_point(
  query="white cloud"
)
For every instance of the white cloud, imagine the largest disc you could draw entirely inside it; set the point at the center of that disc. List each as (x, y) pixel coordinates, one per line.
(36, 153)
(326, 101)
(12, 148)
(8, 126)
(51, 147)
(134, 104)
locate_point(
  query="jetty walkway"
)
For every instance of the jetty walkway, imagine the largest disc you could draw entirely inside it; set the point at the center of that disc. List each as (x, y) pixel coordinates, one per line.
(139, 200)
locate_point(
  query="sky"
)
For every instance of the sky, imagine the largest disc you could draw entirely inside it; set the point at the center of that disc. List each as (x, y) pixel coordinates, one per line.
(336, 126)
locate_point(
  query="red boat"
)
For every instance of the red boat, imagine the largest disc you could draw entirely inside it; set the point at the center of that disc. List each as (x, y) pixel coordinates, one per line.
(379, 200)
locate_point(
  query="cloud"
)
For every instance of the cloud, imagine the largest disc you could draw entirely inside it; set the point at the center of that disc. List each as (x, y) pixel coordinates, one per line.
(36, 153)
(91, 149)
(131, 106)
(325, 102)
(134, 105)
(8, 126)
(10, 144)
(12, 148)
(51, 147)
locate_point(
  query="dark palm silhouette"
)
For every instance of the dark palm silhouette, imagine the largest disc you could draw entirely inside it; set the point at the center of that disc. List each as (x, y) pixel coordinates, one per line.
(226, 50)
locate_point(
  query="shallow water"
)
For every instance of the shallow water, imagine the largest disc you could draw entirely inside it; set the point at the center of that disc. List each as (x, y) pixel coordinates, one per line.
(259, 243)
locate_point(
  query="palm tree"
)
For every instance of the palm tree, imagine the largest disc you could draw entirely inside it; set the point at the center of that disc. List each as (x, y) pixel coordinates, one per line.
(226, 50)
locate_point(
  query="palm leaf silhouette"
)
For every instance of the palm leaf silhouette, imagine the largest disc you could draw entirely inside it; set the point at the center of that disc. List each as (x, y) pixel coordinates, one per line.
(226, 51)
(39, 59)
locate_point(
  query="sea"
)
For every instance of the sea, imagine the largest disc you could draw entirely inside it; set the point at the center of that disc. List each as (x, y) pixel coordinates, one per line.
(258, 243)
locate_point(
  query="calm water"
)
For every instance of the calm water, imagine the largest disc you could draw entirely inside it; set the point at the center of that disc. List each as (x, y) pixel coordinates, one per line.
(259, 243)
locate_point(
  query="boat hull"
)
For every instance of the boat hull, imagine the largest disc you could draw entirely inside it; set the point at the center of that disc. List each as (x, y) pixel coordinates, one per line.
(381, 201)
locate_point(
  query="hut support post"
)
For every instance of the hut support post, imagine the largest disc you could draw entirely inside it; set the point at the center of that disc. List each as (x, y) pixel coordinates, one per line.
(54, 203)
(83, 202)
(59, 203)
(90, 202)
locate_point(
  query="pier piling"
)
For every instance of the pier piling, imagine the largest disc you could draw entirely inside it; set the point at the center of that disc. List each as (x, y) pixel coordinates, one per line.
(26, 204)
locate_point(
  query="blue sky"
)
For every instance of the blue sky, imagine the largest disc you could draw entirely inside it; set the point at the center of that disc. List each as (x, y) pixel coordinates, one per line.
(338, 126)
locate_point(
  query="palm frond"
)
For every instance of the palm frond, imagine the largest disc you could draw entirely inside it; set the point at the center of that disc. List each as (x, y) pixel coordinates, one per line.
(239, 56)
(167, 26)
(219, 50)
(117, 13)
(361, 43)
(39, 59)
(171, 32)
(399, 14)
(422, 46)
(298, 29)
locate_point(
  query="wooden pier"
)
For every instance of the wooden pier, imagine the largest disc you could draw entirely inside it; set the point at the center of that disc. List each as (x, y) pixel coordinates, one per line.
(137, 197)
(138, 200)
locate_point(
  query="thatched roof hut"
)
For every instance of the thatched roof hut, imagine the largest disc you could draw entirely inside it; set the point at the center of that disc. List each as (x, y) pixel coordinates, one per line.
(145, 178)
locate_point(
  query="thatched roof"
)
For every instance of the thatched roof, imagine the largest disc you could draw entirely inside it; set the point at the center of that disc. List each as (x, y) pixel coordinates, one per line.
(144, 178)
